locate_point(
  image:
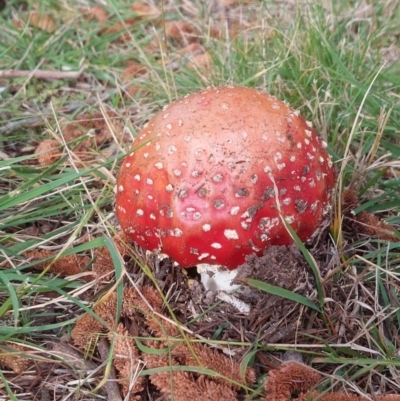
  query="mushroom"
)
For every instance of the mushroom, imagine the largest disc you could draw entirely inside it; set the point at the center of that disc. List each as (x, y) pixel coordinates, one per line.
(212, 176)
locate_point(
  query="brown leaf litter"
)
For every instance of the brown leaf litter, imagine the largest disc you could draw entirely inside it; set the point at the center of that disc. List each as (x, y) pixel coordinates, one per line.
(95, 13)
(181, 30)
(144, 318)
(100, 265)
(84, 135)
(182, 353)
(132, 70)
(140, 12)
(364, 222)
(12, 357)
(39, 20)
(48, 152)
(296, 378)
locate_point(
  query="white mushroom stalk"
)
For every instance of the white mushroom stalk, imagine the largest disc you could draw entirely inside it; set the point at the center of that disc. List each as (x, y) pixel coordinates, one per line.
(217, 278)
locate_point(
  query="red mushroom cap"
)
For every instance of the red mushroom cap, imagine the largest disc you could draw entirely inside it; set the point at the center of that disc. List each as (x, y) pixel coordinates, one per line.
(207, 172)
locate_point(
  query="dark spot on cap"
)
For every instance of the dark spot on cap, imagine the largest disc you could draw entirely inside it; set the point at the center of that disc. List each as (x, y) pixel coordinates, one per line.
(202, 192)
(169, 212)
(182, 193)
(306, 170)
(242, 192)
(301, 205)
(269, 193)
(282, 191)
(252, 210)
(219, 203)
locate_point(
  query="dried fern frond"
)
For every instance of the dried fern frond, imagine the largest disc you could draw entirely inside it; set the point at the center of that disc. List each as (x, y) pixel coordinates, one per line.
(328, 397)
(295, 377)
(365, 222)
(134, 303)
(291, 377)
(350, 201)
(181, 385)
(161, 328)
(121, 241)
(106, 308)
(88, 328)
(214, 360)
(127, 363)
(103, 264)
(86, 331)
(10, 357)
(369, 224)
(65, 265)
(211, 390)
(343, 397)
(94, 126)
(47, 152)
(69, 265)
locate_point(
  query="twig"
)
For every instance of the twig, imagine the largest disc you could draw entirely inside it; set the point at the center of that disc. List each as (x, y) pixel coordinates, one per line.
(42, 74)
(45, 112)
(27, 122)
(71, 356)
(111, 385)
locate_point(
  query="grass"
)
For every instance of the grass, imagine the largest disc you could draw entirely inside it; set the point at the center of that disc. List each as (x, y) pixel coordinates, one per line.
(337, 62)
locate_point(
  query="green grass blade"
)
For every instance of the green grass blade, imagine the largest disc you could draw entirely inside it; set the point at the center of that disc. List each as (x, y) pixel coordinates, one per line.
(281, 292)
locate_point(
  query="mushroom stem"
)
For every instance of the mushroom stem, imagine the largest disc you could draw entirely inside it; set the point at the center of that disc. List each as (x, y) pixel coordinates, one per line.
(241, 306)
(217, 278)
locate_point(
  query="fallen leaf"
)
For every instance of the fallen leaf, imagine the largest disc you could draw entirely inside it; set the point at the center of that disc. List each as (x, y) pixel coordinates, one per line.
(194, 48)
(235, 2)
(144, 10)
(181, 30)
(42, 21)
(133, 90)
(132, 70)
(18, 23)
(215, 33)
(95, 12)
(122, 28)
(201, 61)
(93, 127)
